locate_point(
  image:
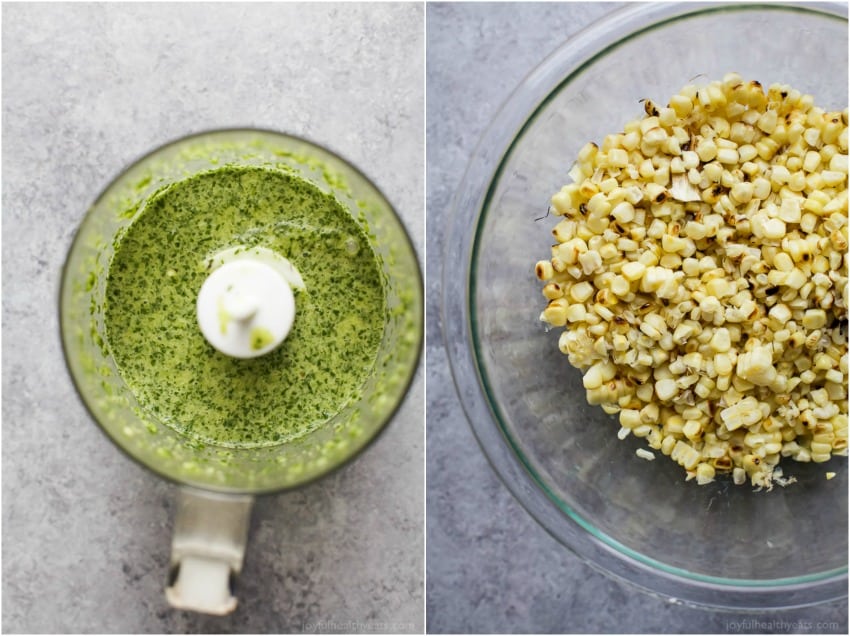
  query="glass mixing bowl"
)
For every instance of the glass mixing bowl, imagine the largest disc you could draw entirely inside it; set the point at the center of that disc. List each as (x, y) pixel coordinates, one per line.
(160, 448)
(718, 545)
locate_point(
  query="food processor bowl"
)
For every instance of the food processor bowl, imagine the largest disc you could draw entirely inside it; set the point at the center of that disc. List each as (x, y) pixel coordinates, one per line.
(717, 545)
(218, 478)
(160, 448)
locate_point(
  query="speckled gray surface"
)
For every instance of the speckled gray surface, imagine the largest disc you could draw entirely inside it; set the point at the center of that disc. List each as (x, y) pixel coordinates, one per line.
(490, 567)
(87, 89)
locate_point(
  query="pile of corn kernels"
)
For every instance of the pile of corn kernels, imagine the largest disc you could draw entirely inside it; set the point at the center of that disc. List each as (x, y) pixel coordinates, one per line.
(700, 275)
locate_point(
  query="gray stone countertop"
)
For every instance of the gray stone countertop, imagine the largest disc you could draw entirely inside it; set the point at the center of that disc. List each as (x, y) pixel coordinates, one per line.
(88, 88)
(490, 567)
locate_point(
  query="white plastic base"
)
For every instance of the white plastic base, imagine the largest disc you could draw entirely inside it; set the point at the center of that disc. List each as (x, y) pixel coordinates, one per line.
(245, 308)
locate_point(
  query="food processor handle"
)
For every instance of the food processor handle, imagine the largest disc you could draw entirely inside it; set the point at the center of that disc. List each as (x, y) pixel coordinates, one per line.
(210, 533)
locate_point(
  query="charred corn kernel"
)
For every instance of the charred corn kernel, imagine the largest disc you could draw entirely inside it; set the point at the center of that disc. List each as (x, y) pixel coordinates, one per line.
(835, 376)
(627, 245)
(723, 364)
(706, 150)
(618, 158)
(603, 312)
(666, 389)
(558, 264)
(746, 153)
(544, 270)
(752, 463)
(728, 155)
(692, 430)
(812, 136)
(598, 374)
(608, 251)
(742, 192)
(780, 174)
(590, 261)
(833, 177)
(774, 229)
(642, 431)
(633, 271)
(630, 418)
(606, 298)
(761, 188)
(562, 203)
(789, 210)
(598, 205)
(823, 362)
(656, 321)
(705, 473)
(597, 224)
(624, 212)
(671, 243)
(650, 331)
(766, 148)
(576, 313)
(682, 105)
(555, 313)
(720, 287)
(588, 189)
(588, 152)
(814, 318)
(581, 292)
(767, 121)
(797, 181)
(564, 231)
(795, 278)
(685, 454)
(720, 340)
(645, 454)
(631, 140)
(838, 240)
(667, 444)
(620, 286)
(654, 136)
(667, 116)
(811, 161)
(837, 203)
(781, 313)
(814, 203)
(782, 262)
(553, 291)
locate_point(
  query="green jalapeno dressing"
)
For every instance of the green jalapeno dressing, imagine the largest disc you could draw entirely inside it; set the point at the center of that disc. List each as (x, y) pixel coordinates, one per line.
(162, 260)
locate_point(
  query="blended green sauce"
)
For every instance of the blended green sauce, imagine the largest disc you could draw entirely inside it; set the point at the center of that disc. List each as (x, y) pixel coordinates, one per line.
(162, 260)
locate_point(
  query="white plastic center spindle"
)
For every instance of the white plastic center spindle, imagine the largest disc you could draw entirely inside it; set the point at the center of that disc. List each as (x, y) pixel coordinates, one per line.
(245, 308)
(239, 306)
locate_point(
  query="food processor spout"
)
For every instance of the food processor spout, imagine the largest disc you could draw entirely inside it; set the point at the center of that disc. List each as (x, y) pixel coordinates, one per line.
(210, 533)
